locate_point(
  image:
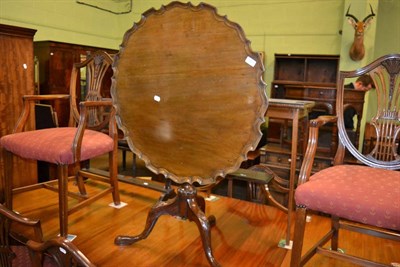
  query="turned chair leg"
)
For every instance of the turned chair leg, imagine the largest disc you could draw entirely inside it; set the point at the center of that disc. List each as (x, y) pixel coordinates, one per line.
(301, 213)
(79, 179)
(335, 233)
(62, 176)
(113, 163)
(7, 179)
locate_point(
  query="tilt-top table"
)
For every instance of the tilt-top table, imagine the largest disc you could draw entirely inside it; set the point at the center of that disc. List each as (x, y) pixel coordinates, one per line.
(190, 100)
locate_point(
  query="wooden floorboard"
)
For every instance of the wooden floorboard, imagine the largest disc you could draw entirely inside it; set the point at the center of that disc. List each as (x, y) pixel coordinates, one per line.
(246, 234)
(242, 232)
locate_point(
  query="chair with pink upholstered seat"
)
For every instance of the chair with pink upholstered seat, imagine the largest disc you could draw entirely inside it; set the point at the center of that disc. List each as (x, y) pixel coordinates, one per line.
(91, 132)
(364, 196)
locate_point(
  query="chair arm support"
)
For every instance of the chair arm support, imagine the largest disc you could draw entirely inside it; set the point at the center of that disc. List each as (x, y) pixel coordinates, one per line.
(27, 101)
(82, 125)
(306, 167)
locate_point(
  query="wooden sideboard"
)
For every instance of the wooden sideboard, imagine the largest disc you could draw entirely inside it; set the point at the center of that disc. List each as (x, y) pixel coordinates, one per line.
(55, 65)
(306, 77)
(16, 80)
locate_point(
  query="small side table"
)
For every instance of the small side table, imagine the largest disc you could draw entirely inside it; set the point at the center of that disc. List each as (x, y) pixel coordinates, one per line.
(123, 145)
(292, 110)
(251, 175)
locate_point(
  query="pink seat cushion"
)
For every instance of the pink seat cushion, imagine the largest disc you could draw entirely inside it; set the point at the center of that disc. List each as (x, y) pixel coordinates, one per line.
(54, 145)
(363, 194)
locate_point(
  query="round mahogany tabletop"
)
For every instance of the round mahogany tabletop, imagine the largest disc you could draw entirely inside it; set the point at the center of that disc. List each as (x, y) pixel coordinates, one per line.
(189, 93)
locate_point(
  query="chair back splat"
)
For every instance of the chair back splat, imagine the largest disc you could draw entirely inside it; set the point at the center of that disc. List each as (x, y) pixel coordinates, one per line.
(361, 192)
(386, 121)
(96, 67)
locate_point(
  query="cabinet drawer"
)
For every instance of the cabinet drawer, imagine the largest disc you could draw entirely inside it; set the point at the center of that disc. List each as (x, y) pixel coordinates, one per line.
(283, 160)
(296, 93)
(310, 93)
(317, 93)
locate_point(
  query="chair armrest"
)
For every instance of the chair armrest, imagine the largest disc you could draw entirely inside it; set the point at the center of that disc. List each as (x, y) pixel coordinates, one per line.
(27, 101)
(83, 116)
(15, 217)
(45, 97)
(308, 161)
(99, 103)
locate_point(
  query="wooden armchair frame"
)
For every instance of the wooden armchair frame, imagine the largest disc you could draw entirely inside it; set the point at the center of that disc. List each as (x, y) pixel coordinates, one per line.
(381, 162)
(94, 114)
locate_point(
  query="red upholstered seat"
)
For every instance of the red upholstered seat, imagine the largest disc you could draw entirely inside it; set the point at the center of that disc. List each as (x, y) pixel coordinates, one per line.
(54, 145)
(346, 198)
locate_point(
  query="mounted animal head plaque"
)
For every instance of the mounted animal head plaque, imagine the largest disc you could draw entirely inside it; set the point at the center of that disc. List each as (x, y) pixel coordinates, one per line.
(357, 49)
(189, 92)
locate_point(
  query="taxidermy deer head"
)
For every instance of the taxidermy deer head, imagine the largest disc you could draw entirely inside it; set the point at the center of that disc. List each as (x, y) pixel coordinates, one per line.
(357, 49)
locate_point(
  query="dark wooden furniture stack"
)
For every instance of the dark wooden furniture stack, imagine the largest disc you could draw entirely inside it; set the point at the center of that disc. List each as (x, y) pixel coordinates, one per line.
(313, 78)
(55, 64)
(16, 79)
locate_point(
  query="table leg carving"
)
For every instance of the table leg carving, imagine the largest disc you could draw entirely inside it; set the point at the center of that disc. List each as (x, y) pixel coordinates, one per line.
(186, 205)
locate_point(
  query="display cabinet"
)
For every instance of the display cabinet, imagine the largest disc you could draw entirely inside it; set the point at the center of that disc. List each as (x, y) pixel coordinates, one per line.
(306, 77)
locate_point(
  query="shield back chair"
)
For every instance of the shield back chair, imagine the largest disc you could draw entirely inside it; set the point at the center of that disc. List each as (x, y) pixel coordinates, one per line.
(22, 244)
(362, 197)
(91, 132)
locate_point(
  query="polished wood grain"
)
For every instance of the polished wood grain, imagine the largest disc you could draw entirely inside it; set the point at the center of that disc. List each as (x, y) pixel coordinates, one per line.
(16, 79)
(246, 234)
(189, 102)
